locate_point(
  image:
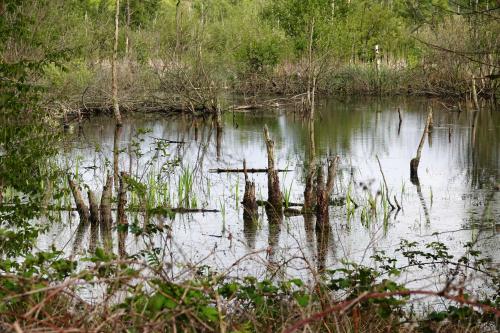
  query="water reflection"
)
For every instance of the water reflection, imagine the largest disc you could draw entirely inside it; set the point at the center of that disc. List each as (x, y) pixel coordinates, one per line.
(460, 161)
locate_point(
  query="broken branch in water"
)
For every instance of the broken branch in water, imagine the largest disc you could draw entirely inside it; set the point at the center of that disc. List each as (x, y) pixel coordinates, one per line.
(416, 160)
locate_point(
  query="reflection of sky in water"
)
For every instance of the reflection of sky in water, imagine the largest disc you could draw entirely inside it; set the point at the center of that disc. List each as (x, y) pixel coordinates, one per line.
(456, 176)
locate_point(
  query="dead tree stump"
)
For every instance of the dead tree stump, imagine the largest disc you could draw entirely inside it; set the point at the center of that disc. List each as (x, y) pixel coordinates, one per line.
(81, 207)
(416, 160)
(83, 212)
(250, 207)
(323, 192)
(106, 218)
(275, 198)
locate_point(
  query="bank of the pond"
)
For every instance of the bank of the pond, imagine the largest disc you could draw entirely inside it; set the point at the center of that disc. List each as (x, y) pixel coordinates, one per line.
(144, 88)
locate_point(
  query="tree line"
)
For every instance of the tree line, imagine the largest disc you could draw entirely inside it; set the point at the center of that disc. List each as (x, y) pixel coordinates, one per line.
(187, 53)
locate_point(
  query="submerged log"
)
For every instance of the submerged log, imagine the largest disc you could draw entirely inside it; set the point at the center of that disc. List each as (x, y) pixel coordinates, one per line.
(416, 160)
(250, 208)
(162, 210)
(289, 204)
(81, 207)
(289, 212)
(94, 220)
(275, 197)
(323, 192)
(251, 170)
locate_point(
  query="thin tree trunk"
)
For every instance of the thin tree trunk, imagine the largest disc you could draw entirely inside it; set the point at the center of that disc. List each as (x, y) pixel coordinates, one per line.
(116, 154)
(116, 108)
(309, 198)
(127, 31)
(121, 215)
(311, 81)
(177, 27)
(474, 94)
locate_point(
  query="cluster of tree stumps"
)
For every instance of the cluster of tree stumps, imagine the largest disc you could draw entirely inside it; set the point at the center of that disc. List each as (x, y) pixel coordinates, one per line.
(98, 217)
(317, 192)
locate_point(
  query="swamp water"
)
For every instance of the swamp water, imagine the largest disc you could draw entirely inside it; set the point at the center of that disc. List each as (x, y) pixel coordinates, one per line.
(455, 202)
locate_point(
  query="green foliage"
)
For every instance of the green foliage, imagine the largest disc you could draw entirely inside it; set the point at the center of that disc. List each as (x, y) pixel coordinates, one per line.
(261, 53)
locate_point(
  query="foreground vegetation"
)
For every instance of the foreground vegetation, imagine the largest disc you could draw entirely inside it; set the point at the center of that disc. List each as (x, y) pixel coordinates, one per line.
(138, 295)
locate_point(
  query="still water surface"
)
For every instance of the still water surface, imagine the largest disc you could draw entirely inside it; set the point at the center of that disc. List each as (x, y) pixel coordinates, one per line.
(455, 202)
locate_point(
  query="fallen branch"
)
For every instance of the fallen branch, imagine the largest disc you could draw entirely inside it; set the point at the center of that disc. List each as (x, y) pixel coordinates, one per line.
(290, 204)
(261, 170)
(181, 210)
